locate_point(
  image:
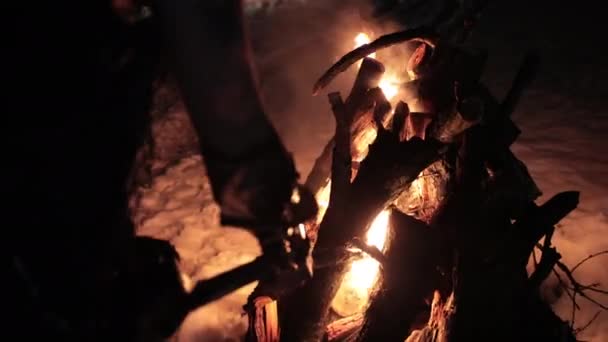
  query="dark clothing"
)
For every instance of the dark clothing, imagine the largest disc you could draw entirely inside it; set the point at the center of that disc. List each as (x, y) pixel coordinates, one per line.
(82, 84)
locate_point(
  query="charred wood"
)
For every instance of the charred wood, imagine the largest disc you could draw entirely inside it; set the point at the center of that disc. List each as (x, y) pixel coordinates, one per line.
(390, 166)
(411, 274)
(422, 35)
(367, 78)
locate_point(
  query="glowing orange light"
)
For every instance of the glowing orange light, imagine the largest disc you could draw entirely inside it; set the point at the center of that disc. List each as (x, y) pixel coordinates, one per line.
(389, 85)
(359, 281)
(362, 39)
(389, 82)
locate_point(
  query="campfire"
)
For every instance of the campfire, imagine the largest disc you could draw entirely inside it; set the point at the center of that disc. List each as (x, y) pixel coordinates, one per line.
(128, 181)
(424, 209)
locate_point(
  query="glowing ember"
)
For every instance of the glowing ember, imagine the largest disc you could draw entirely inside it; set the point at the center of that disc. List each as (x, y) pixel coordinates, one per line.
(358, 282)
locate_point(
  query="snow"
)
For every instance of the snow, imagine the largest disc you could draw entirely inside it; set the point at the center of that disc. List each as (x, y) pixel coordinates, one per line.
(563, 119)
(178, 207)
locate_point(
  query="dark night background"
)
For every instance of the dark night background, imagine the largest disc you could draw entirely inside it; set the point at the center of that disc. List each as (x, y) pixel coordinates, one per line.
(77, 112)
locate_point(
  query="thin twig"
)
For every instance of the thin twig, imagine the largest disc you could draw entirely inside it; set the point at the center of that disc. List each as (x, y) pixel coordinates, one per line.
(572, 297)
(592, 288)
(591, 256)
(372, 251)
(579, 330)
(565, 287)
(578, 288)
(574, 306)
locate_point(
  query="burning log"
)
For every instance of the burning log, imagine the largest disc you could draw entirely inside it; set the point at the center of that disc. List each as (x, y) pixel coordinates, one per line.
(354, 117)
(264, 325)
(390, 166)
(472, 235)
(463, 239)
(367, 78)
(460, 268)
(410, 276)
(422, 35)
(306, 309)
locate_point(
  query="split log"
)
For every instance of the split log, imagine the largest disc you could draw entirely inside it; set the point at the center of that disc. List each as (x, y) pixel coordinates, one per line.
(438, 325)
(343, 329)
(263, 324)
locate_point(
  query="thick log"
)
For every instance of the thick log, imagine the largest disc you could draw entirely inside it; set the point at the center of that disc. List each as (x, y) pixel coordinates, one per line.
(410, 276)
(319, 174)
(390, 167)
(367, 78)
(263, 323)
(341, 164)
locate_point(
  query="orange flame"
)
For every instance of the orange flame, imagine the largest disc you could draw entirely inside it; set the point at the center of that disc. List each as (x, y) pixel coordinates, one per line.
(389, 82)
(362, 39)
(359, 281)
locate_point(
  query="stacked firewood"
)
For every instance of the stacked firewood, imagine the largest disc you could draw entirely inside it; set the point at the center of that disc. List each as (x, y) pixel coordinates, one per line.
(454, 271)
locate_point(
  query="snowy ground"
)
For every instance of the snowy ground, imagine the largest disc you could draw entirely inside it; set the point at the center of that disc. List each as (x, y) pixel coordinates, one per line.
(564, 118)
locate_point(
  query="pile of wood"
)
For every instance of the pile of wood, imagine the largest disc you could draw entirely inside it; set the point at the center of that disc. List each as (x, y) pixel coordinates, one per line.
(454, 273)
